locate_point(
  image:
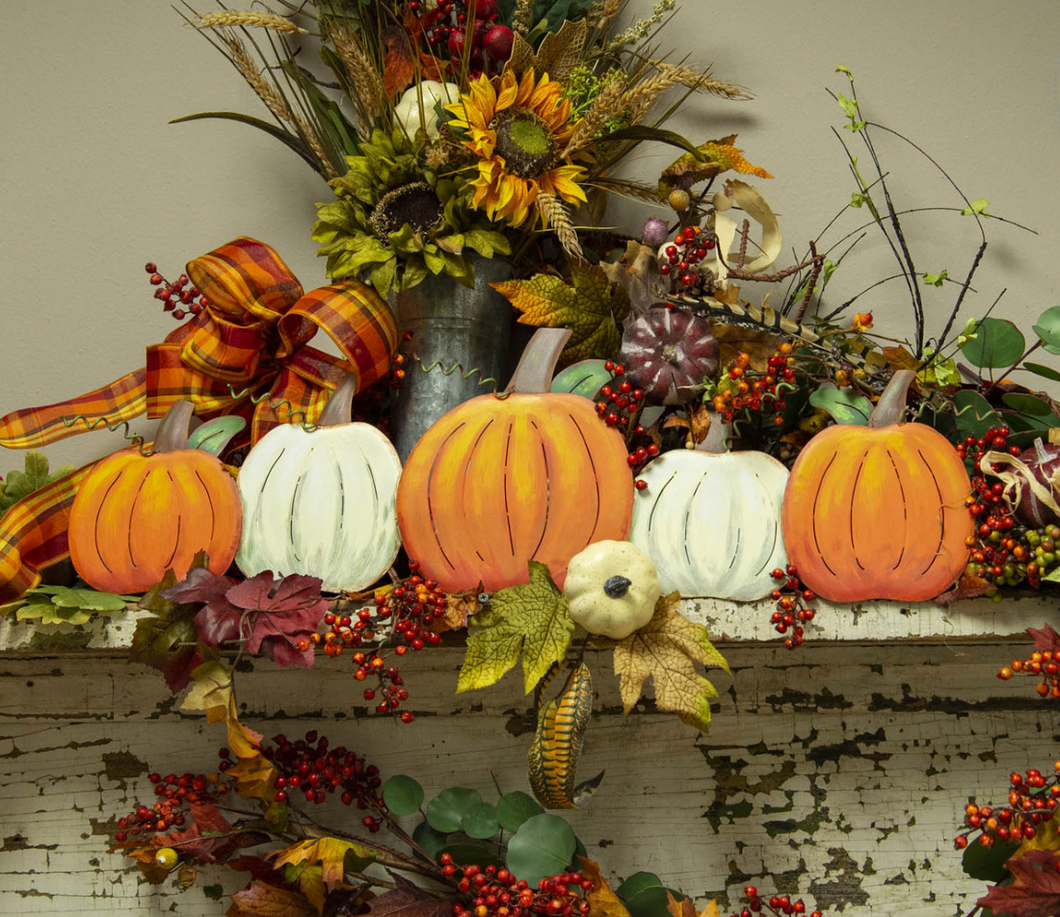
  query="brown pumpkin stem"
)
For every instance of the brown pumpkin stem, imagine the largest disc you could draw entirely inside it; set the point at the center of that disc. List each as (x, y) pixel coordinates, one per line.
(339, 408)
(890, 409)
(172, 433)
(536, 366)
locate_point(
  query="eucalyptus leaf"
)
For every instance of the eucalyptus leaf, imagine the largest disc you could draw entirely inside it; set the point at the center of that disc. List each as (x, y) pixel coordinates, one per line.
(480, 821)
(467, 852)
(1046, 372)
(651, 902)
(403, 795)
(637, 883)
(433, 842)
(515, 808)
(1026, 404)
(1048, 329)
(543, 846)
(987, 864)
(215, 434)
(997, 343)
(844, 405)
(447, 810)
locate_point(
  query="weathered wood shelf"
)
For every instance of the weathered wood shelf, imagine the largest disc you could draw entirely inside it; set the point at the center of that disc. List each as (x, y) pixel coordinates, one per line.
(836, 772)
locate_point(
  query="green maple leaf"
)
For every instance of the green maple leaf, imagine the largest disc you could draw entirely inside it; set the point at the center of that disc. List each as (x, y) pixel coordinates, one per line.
(592, 308)
(532, 619)
(19, 484)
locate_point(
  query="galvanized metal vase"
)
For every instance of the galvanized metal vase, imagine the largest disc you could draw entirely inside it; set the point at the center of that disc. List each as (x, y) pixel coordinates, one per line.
(450, 324)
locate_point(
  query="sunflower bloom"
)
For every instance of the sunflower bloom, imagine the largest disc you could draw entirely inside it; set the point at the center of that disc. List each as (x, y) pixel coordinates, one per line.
(518, 129)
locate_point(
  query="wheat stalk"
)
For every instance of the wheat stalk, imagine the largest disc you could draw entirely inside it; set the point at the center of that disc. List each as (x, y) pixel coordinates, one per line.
(224, 18)
(553, 212)
(602, 109)
(701, 80)
(275, 102)
(524, 12)
(642, 28)
(364, 77)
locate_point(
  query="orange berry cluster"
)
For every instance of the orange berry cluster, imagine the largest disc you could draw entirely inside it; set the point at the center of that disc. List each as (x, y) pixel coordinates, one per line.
(792, 608)
(176, 793)
(496, 892)
(1032, 799)
(775, 904)
(620, 401)
(740, 391)
(1044, 664)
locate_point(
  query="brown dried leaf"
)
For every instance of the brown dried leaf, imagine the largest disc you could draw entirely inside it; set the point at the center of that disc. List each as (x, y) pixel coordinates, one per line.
(459, 606)
(900, 358)
(329, 852)
(522, 56)
(730, 295)
(560, 52)
(757, 343)
(697, 422)
(261, 900)
(968, 587)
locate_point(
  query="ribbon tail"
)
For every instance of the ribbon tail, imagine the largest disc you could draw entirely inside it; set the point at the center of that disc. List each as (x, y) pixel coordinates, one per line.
(122, 400)
(33, 534)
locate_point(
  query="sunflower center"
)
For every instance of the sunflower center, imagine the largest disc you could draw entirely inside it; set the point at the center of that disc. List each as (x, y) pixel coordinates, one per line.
(414, 203)
(524, 142)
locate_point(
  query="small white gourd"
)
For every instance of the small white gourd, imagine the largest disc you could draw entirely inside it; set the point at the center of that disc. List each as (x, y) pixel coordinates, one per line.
(321, 502)
(611, 588)
(407, 110)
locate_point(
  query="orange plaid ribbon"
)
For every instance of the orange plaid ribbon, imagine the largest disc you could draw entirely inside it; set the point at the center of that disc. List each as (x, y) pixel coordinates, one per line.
(245, 353)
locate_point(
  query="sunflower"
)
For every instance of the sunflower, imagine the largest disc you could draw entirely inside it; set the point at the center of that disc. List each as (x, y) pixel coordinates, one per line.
(518, 129)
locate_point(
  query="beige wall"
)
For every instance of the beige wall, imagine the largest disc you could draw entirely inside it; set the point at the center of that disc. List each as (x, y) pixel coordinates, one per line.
(94, 181)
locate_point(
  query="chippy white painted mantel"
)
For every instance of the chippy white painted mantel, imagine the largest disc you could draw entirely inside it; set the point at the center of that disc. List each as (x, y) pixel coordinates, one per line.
(836, 772)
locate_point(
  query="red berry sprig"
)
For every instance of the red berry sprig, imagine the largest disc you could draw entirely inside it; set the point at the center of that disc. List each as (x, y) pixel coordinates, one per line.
(176, 794)
(620, 400)
(176, 295)
(312, 767)
(493, 892)
(1032, 800)
(774, 904)
(1044, 665)
(690, 246)
(743, 390)
(793, 609)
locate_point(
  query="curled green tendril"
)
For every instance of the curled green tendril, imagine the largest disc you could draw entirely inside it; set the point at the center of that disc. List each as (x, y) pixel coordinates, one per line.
(465, 373)
(100, 422)
(274, 406)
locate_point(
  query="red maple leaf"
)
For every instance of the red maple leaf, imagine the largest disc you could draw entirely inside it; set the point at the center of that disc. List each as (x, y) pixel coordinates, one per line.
(1036, 891)
(261, 900)
(408, 900)
(281, 612)
(217, 621)
(209, 837)
(1045, 639)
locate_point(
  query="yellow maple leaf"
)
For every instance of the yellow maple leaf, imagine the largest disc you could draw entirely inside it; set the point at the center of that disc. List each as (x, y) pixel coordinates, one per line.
(592, 308)
(667, 649)
(211, 690)
(329, 852)
(685, 907)
(602, 899)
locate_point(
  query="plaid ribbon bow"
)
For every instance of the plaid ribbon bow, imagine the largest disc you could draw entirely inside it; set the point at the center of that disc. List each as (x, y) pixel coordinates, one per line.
(245, 353)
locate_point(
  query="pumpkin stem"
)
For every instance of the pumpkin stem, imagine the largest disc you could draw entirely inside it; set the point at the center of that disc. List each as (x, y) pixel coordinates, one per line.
(1039, 449)
(617, 586)
(172, 433)
(890, 408)
(716, 442)
(339, 408)
(533, 375)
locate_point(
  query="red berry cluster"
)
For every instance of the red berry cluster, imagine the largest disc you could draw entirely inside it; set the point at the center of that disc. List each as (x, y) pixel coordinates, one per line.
(1044, 664)
(775, 904)
(1032, 799)
(690, 246)
(620, 400)
(312, 766)
(495, 892)
(446, 28)
(741, 391)
(792, 600)
(175, 295)
(176, 794)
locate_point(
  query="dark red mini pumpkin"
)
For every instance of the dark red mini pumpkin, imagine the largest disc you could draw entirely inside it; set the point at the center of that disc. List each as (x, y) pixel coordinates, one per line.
(1042, 461)
(670, 352)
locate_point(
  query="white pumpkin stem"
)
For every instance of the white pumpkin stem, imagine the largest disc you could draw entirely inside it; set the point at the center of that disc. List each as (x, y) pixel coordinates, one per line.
(339, 408)
(890, 409)
(173, 431)
(716, 442)
(537, 365)
(1039, 448)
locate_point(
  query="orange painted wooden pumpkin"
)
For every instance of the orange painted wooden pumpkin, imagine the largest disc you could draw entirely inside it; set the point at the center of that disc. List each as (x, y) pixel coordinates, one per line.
(499, 481)
(136, 516)
(878, 512)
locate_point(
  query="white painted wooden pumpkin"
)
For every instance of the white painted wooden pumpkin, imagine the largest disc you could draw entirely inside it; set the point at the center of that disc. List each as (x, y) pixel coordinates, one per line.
(711, 522)
(321, 502)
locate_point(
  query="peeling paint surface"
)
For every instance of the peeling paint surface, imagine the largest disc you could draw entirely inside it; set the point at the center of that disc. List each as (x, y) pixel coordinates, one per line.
(837, 773)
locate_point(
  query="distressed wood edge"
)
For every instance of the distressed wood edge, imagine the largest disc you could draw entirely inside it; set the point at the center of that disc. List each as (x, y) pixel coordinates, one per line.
(873, 623)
